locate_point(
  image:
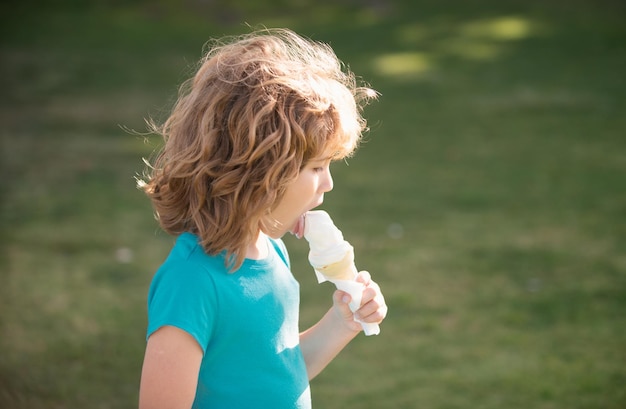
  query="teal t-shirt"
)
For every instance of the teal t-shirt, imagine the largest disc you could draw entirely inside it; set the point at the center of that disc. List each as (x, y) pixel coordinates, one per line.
(246, 323)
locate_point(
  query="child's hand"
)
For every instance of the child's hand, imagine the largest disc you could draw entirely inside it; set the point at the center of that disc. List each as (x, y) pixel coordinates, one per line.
(372, 310)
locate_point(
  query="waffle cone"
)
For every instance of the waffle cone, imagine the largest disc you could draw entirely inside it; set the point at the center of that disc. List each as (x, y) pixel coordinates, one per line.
(343, 269)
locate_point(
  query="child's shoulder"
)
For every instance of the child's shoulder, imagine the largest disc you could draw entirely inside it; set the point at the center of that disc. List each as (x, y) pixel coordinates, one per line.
(187, 255)
(186, 246)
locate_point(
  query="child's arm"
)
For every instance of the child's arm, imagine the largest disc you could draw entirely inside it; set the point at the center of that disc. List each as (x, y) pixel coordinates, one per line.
(322, 342)
(170, 370)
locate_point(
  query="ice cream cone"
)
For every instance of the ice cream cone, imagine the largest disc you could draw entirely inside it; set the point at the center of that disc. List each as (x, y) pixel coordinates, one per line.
(343, 269)
(332, 258)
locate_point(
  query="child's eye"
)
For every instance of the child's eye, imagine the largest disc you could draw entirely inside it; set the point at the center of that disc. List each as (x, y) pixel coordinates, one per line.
(318, 169)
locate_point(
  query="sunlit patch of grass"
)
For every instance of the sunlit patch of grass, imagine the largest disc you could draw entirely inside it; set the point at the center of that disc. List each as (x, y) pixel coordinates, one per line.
(506, 28)
(401, 64)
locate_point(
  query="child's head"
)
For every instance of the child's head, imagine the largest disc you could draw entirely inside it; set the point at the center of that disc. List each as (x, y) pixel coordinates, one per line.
(259, 107)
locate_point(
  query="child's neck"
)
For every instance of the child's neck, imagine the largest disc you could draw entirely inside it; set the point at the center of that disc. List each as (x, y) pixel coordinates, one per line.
(259, 249)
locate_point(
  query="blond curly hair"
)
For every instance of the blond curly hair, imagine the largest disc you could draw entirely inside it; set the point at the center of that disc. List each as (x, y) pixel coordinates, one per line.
(259, 107)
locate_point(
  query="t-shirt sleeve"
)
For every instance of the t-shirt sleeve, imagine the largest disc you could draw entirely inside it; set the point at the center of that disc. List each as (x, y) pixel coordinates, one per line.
(183, 295)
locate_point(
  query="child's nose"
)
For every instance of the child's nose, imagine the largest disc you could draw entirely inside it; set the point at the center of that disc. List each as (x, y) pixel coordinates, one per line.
(327, 183)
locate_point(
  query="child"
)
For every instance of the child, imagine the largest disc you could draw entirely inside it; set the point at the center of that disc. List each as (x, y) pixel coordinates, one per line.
(247, 152)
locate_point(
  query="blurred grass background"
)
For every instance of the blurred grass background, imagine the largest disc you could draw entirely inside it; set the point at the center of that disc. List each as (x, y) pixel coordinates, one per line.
(489, 199)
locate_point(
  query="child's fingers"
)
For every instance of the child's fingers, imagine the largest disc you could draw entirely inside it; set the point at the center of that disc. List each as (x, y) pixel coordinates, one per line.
(371, 291)
(364, 277)
(373, 311)
(342, 299)
(373, 307)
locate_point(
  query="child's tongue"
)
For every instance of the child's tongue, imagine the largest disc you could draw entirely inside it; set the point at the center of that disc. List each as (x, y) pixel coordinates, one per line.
(298, 228)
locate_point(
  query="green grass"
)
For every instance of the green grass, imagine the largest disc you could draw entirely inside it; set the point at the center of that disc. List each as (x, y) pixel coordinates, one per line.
(488, 200)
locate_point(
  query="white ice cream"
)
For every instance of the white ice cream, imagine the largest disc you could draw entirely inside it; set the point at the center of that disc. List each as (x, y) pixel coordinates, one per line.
(326, 242)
